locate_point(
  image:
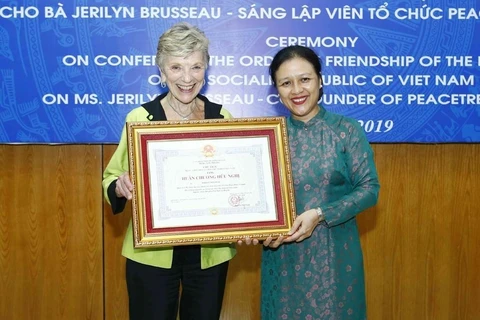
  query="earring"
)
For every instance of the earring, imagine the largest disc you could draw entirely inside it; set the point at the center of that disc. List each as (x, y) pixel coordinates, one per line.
(163, 84)
(204, 82)
(281, 101)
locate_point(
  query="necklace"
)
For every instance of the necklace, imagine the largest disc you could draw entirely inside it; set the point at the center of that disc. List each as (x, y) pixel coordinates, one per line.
(184, 117)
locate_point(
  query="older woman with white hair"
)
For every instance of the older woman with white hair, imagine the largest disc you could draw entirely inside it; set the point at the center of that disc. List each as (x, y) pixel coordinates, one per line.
(154, 275)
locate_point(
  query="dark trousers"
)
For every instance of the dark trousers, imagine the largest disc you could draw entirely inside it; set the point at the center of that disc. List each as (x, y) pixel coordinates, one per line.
(153, 292)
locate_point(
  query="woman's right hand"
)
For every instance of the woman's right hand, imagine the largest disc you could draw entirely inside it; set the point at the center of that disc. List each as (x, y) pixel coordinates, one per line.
(273, 243)
(124, 186)
(269, 242)
(248, 241)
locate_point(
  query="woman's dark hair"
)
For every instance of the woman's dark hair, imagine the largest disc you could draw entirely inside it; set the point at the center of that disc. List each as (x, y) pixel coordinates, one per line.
(291, 52)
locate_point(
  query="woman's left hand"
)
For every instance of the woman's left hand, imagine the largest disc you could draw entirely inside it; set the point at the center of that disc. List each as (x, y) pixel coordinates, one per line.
(303, 226)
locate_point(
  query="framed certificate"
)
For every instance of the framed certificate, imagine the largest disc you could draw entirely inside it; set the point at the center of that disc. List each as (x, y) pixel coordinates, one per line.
(209, 181)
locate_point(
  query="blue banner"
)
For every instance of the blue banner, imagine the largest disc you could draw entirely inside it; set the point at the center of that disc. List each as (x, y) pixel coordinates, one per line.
(408, 71)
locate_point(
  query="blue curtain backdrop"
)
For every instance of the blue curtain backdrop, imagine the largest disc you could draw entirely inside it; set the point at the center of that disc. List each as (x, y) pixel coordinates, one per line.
(407, 70)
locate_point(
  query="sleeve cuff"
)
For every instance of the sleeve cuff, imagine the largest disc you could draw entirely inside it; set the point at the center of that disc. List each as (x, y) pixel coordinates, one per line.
(117, 204)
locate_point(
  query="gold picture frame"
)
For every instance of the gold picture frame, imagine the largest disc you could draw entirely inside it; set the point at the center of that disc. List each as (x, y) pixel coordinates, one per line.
(209, 181)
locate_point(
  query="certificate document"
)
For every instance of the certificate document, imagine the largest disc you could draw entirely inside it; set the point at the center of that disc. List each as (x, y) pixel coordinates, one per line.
(209, 180)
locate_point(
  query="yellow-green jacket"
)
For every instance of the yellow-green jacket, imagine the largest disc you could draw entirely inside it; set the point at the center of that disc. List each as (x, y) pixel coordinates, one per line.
(211, 254)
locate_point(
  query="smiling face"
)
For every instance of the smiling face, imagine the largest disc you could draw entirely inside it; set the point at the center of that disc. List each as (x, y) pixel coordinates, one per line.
(184, 76)
(298, 86)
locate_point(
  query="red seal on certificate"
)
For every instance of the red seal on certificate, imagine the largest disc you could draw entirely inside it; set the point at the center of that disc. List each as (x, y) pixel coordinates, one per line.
(208, 150)
(234, 200)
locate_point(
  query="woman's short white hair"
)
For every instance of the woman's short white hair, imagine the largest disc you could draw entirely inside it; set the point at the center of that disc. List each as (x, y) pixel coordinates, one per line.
(181, 40)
